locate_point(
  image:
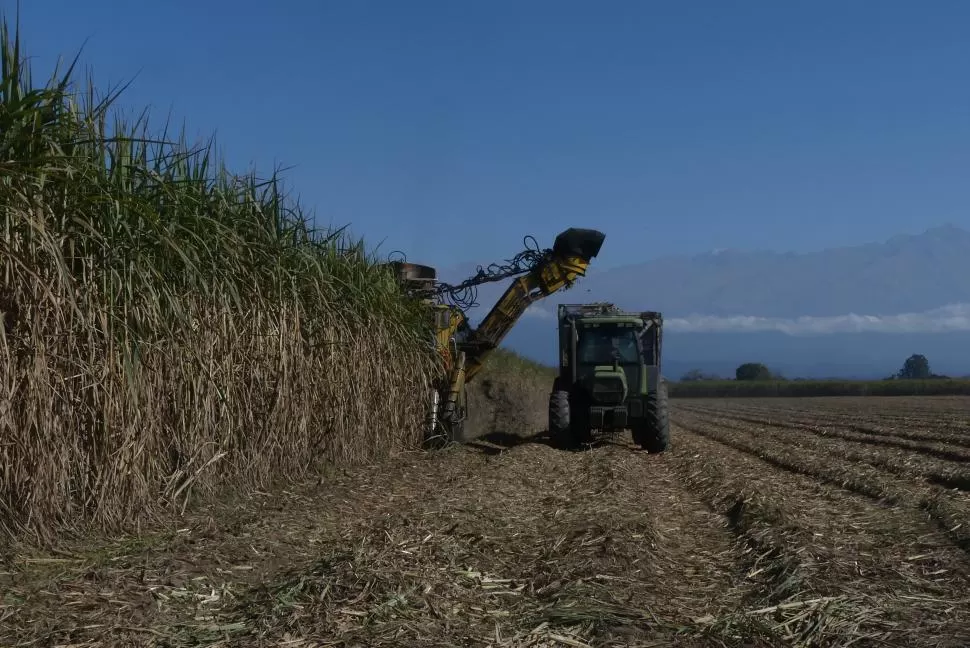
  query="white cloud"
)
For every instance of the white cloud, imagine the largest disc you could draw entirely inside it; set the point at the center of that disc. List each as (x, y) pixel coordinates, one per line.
(953, 317)
(536, 312)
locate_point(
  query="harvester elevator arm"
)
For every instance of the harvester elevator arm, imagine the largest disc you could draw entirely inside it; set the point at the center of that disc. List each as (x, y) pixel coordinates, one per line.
(558, 269)
(538, 274)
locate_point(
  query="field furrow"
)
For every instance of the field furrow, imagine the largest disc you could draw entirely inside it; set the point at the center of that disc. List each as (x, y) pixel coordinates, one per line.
(898, 485)
(944, 432)
(811, 539)
(933, 486)
(936, 422)
(860, 434)
(947, 472)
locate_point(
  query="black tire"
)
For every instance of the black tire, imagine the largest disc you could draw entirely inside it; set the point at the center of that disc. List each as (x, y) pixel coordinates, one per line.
(653, 432)
(567, 428)
(558, 414)
(564, 428)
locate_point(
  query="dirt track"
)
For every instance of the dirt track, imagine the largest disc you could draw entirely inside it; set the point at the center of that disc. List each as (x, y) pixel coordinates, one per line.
(769, 519)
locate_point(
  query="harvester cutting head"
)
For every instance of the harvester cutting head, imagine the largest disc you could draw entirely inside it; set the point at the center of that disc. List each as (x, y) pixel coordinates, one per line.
(415, 279)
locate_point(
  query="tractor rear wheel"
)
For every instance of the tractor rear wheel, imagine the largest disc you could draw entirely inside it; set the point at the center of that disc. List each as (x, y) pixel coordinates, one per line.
(652, 433)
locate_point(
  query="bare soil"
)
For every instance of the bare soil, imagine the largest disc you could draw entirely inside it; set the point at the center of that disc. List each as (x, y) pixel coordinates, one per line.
(801, 522)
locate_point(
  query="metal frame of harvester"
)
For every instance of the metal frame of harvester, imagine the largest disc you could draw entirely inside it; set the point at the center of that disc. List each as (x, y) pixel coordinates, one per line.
(463, 349)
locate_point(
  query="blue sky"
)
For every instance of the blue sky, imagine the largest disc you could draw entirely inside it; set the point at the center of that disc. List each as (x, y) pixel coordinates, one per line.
(452, 129)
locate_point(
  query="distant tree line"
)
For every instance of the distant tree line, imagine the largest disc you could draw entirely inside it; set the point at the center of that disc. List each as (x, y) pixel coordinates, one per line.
(754, 371)
(916, 367)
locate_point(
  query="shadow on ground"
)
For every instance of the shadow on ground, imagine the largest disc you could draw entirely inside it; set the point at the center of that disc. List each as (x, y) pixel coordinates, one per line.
(498, 442)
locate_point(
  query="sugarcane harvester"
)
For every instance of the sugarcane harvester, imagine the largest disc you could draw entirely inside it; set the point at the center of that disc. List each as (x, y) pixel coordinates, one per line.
(464, 350)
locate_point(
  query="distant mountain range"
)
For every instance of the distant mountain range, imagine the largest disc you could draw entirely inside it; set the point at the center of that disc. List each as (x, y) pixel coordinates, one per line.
(850, 311)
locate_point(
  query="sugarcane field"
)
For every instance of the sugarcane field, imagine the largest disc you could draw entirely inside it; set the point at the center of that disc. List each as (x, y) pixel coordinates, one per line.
(494, 326)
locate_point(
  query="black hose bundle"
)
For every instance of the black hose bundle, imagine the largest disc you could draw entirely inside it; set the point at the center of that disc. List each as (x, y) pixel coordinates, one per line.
(465, 294)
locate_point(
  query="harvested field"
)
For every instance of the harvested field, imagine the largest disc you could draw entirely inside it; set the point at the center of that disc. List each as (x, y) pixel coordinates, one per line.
(777, 522)
(818, 388)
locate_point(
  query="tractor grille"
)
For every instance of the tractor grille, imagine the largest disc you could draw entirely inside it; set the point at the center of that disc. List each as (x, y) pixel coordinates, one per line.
(608, 391)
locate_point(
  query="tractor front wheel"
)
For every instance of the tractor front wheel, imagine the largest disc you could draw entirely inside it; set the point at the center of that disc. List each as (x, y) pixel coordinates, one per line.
(567, 427)
(558, 414)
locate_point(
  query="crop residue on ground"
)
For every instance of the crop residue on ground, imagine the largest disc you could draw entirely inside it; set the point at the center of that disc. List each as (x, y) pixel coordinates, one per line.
(770, 522)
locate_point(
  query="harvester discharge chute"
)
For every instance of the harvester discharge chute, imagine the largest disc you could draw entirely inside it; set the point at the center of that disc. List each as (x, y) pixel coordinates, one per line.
(464, 349)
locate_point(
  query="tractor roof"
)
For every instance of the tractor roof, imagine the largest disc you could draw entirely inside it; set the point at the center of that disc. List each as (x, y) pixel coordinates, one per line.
(610, 319)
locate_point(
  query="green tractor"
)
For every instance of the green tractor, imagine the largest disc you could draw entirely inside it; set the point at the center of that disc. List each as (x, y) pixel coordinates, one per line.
(609, 376)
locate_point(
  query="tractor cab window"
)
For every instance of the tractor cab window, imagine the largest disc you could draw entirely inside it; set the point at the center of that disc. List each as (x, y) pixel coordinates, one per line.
(601, 345)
